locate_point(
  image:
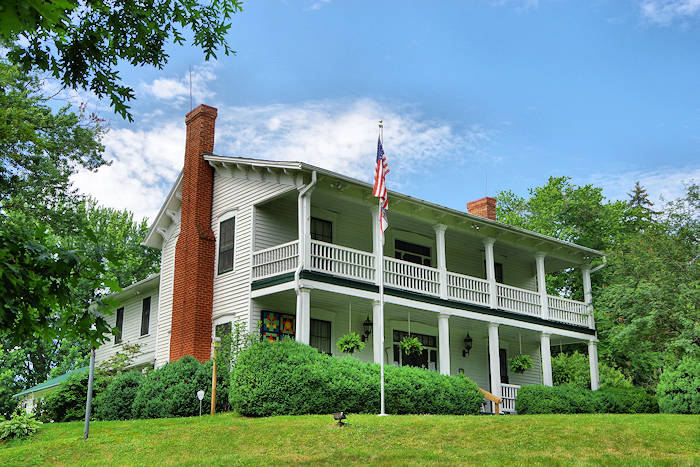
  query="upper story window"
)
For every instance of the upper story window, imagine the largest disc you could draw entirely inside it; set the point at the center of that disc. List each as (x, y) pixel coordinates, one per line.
(411, 252)
(145, 315)
(227, 231)
(119, 325)
(321, 230)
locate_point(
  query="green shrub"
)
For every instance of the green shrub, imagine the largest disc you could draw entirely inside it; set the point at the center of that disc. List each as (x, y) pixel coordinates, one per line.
(171, 390)
(67, 402)
(20, 425)
(275, 378)
(574, 369)
(678, 390)
(115, 402)
(625, 400)
(538, 399)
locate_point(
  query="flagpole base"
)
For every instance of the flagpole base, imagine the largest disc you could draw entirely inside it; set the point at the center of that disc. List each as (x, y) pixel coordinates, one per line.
(383, 415)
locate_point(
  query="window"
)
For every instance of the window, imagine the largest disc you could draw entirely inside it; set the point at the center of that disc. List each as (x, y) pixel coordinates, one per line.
(226, 233)
(320, 336)
(498, 269)
(503, 360)
(119, 325)
(426, 359)
(321, 230)
(411, 252)
(145, 315)
(223, 330)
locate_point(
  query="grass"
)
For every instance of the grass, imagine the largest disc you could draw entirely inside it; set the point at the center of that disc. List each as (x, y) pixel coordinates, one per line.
(229, 439)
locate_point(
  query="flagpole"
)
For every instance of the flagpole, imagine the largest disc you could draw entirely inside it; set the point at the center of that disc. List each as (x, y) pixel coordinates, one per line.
(380, 270)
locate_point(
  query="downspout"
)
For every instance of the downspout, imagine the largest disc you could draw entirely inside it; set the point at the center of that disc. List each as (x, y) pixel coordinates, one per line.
(600, 266)
(300, 207)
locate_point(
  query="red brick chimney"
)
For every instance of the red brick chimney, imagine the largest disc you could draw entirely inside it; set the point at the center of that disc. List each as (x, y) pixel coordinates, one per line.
(484, 207)
(193, 283)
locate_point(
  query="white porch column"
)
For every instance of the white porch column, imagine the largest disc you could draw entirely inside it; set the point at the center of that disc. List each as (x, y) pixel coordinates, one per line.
(494, 360)
(377, 330)
(441, 260)
(593, 362)
(546, 352)
(377, 245)
(491, 271)
(303, 316)
(587, 294)
(444, 343)
(542, 285)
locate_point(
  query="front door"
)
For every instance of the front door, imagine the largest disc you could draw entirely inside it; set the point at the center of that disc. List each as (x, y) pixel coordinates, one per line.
(504, 365)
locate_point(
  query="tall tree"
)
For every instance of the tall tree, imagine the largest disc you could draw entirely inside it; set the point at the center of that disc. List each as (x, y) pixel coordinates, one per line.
(81, 42)
(639, 196)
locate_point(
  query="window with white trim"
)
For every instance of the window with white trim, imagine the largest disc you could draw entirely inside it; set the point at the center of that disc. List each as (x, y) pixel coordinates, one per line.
(119, 325)
(227, 231)
(145, 315)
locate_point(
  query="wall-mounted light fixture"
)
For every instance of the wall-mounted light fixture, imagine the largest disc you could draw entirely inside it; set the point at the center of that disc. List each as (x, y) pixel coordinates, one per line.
(467, 345)
(366, 329)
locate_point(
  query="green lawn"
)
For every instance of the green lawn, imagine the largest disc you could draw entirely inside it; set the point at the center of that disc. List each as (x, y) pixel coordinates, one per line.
(230, 440)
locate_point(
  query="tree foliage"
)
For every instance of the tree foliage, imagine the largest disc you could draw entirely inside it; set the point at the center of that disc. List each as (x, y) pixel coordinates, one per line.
(81, 42)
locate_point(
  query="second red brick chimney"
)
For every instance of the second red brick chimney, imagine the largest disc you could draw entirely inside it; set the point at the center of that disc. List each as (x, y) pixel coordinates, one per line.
(193, 282)
(484, 207)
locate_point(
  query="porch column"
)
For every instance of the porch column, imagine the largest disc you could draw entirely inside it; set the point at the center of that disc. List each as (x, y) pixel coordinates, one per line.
(593, 362)
(494, 360)
(546, 352)
(305, 228)
(377, 330)
(377, 245)
(587, 294)
(441, 262)
(303, 316)
(444, 343)
(491, 272)
(542, 285)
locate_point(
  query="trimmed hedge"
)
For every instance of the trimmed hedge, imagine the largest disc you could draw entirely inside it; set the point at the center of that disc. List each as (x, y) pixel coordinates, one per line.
(288, 378)
(115, 402)
(171, 391)
(679, 388)
(538, 399)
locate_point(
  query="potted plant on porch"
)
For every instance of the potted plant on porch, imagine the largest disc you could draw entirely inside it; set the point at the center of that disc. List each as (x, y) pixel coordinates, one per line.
(411, 345)
(350, 343)
(520, 363)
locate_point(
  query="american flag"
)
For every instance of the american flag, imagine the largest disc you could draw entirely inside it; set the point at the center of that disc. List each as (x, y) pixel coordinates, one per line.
(380, 185)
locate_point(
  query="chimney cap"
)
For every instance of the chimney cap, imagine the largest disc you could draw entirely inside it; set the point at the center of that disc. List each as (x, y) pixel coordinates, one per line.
(201, 109)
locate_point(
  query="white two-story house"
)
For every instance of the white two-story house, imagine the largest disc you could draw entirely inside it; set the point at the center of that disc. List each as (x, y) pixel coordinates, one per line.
(297, 250)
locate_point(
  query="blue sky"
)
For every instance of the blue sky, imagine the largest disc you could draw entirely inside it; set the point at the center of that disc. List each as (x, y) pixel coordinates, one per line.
(604, 91)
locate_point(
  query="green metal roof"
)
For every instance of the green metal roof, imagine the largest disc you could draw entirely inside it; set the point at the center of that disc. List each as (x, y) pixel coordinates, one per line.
(50, 383)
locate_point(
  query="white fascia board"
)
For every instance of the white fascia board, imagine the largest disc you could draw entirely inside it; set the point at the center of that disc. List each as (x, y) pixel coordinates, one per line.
(150, 282)
(153, 238)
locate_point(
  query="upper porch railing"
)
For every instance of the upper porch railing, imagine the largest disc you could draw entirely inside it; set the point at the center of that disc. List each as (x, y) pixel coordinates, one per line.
(361, 265)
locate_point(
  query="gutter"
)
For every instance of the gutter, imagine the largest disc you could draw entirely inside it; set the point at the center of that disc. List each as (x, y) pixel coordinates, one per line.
(300, 207)
(600, 266)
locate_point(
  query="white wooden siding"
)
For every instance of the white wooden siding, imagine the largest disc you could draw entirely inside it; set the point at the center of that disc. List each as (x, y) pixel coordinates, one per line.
(165, 304)
(131, 328)
(232, 289)
(276, 222)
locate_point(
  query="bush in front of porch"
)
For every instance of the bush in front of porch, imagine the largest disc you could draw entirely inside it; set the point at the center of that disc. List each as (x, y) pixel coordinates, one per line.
(288, 378)
(537, 399)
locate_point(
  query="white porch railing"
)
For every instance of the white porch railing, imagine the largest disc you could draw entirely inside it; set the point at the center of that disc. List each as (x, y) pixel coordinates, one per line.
(411, 276)
(342, 261)
(361, 265)
(518, 300)
(276, 260)
(568, 311)
(509, 394)
(467, 289)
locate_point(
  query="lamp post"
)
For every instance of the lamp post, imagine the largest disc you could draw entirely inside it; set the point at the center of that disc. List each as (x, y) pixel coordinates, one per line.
(88, 405)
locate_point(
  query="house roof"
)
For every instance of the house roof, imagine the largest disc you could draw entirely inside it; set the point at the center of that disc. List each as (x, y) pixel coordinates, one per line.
(50, 383)
(304, 167)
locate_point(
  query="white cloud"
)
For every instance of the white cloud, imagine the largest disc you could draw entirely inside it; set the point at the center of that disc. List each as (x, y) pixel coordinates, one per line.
(663, 184)
(177, 89)
(665, 12)
(336, 135)
(319, 4)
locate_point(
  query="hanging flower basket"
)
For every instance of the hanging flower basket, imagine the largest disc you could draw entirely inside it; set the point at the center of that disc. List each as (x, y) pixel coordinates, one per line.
(520, 363)
(411, 345)
(350, 343)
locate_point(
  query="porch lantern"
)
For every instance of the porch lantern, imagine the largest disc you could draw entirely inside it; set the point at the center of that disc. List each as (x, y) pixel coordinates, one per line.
(366, 329)
(467, 345)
